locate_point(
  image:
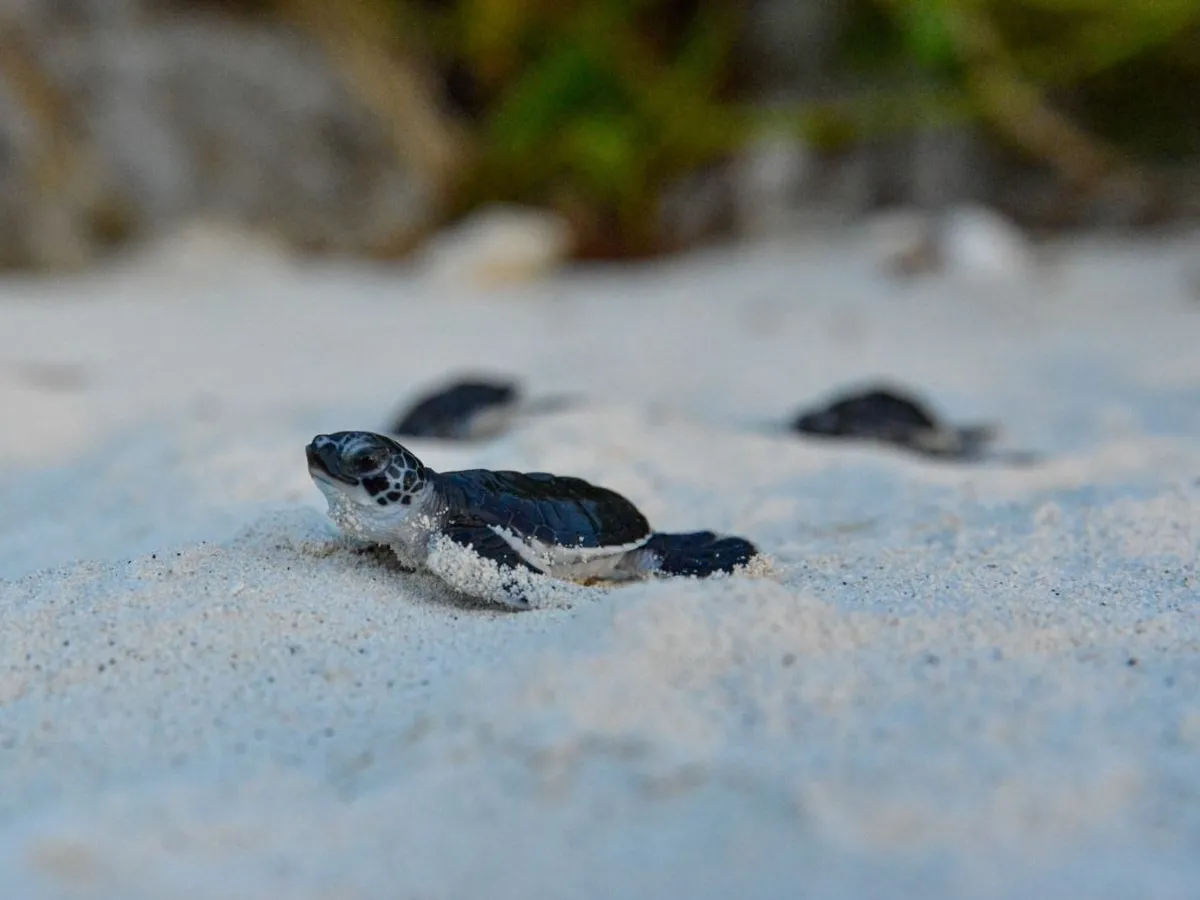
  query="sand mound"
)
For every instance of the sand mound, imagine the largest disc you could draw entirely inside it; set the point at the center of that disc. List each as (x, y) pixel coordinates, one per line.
(948, 681)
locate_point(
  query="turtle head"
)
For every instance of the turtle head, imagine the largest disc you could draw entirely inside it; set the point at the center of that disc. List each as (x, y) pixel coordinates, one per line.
(372, 483)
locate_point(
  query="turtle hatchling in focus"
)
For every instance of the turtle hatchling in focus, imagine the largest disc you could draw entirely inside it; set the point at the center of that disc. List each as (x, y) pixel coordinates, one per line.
(535, 523)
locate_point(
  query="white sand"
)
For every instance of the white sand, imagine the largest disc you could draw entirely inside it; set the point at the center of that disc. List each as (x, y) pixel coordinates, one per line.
(961, 681)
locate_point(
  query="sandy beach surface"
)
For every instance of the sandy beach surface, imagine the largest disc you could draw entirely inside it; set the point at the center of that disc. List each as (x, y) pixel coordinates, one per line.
(954, 680)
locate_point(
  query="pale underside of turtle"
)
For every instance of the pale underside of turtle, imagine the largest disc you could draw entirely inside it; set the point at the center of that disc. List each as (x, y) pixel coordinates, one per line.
(521, 522)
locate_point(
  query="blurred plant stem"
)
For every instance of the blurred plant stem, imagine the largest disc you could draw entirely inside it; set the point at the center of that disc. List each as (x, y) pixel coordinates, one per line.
(1016, 107)
(72, 215)
(961, 42)
(361, 38)
(609, 110)
(588, 110)
(598, 107)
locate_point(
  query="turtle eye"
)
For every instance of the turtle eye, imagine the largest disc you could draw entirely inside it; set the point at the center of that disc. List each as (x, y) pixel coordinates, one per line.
(366, 462)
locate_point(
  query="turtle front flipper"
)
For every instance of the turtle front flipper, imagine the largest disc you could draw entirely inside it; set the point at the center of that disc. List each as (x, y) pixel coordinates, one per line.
(486, 544)
(490, 545)
(698, 553)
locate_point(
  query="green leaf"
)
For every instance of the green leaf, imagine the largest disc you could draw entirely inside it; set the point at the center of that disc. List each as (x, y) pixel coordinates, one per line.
(565, 85)
(926, 30)
(606, 154)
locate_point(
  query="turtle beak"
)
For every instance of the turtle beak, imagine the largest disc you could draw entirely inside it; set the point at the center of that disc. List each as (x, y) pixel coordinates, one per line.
(324, 461)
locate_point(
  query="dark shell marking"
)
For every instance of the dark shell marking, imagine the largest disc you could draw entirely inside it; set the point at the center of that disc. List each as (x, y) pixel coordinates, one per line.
(551, 509)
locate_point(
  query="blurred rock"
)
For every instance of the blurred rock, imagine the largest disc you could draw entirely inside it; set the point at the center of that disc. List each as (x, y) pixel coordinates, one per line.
(768, 176)
(207, 248)
(182, 115)
(1191, 275)
(931, 168)
(788, 50)
(947, 166)
(969, 240)
(697, 206)
(979, 241)
(499, 245)
(903, 241)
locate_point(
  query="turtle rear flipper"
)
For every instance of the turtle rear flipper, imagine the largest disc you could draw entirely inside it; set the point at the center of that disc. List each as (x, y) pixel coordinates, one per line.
(969, 442)
(973, 440)
(699, 553)
(549, 403)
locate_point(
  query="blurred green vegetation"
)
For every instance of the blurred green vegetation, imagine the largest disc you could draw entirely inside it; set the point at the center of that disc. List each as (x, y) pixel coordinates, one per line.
(595, 107)
(1093, 88)
(590, 107)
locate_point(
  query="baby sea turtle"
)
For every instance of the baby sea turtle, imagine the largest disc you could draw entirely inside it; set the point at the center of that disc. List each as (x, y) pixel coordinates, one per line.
(890, 416)
(534, 522)
(469, 409)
